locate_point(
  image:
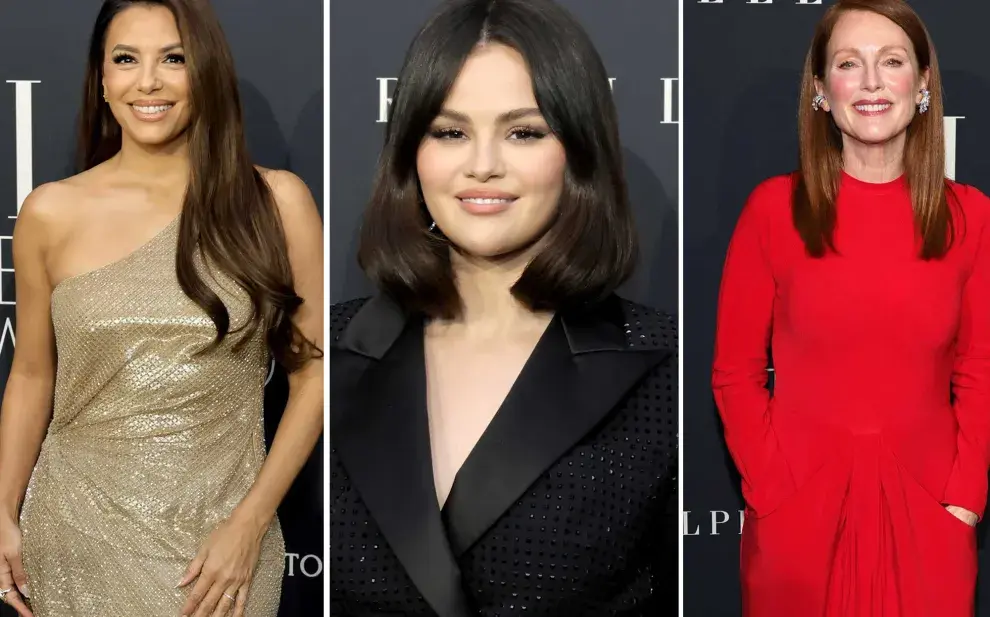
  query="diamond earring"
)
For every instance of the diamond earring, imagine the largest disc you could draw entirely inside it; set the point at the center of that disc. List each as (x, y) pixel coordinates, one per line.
(926, 100)
(818, 102)
(433, 225)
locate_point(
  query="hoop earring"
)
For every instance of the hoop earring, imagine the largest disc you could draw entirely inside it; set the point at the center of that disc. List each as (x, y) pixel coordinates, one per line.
(818, 102)
(926, 100)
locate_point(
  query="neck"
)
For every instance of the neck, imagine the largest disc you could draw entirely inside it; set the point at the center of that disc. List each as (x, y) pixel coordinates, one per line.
(875, 163)
(168, 163)
(489, 308)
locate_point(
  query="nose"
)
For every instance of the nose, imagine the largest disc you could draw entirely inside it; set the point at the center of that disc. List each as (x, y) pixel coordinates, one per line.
(148, 80)
(871, 79)
(486, 160)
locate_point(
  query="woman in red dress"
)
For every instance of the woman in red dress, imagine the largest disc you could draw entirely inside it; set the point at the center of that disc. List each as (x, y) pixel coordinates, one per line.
(866, 277)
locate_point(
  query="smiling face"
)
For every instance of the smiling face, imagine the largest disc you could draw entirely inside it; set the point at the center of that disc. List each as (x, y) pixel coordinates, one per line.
(490, 170)
(871, 81)
(144, 75)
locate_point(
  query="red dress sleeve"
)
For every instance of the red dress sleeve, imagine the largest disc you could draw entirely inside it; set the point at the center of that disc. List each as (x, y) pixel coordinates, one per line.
(742, 340)
(967, 485)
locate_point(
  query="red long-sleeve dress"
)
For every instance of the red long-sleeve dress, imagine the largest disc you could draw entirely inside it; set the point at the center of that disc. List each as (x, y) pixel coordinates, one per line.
(880, 411)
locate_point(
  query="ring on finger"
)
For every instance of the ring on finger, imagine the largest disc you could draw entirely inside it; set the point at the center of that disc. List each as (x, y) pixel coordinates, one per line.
(4, 592)
(232, 598)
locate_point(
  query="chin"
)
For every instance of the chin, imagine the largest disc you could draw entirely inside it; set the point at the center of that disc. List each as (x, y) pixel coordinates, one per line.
(876, 135)
(488, 247)
(156, 138)
(484, 250)
(884, 138)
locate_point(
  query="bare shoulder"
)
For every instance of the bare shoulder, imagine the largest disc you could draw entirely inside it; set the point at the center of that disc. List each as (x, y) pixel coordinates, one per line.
(52, 211)
(47, 212)
(290, 192)
(300, 218)
(296, 208)
(59, 202)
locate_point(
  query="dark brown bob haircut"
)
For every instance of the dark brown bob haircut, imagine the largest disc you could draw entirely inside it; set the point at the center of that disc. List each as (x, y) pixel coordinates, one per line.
(815, 192)
(591, 246)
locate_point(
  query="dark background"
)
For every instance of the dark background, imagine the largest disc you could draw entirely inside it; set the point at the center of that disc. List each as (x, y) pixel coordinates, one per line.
(742, 66)
(638, 41)
(278, 50)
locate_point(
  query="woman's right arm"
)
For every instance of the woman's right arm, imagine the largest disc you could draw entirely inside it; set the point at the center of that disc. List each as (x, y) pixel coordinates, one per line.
(27, 398)
(742, 340)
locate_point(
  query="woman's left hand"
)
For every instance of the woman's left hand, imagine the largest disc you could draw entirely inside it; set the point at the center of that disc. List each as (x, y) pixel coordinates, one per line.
(970, 518)
(224, 566)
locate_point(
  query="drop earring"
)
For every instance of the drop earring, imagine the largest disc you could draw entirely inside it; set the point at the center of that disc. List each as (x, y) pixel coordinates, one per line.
(926, 100)
(433, 224)
(818, 102)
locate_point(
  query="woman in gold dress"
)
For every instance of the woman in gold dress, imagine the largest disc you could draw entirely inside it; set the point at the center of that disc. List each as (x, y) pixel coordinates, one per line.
(153, 289)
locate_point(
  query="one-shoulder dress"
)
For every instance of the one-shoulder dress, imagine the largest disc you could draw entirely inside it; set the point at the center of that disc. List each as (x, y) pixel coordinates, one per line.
(153, 441)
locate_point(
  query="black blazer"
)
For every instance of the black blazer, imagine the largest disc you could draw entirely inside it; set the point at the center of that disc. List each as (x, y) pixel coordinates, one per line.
(566, 507)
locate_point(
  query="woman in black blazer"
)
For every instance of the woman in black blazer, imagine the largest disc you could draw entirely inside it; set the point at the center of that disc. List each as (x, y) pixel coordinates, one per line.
(503, 427)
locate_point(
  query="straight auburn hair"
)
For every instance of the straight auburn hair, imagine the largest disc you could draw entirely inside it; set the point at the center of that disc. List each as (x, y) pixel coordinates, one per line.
(229, 214)
(590, 247)
(817, 186)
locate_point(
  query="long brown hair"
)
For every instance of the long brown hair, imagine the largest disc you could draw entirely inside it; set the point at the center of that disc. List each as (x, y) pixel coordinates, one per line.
(815, 192)
(229, 214)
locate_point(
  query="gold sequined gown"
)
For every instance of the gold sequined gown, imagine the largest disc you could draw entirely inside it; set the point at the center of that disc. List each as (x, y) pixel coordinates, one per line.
(150, 445)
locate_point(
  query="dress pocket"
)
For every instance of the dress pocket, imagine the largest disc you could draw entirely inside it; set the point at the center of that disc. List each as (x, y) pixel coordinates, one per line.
(784, 555)
(938, 545)
(950, 518)
(798, 496)
(957, 520)
(925, 501)
(787, 471)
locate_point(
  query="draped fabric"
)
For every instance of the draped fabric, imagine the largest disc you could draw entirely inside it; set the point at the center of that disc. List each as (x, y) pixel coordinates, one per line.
(880, 407)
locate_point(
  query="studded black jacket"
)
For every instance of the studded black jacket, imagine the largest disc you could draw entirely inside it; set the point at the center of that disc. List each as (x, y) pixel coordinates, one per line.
(566, 507)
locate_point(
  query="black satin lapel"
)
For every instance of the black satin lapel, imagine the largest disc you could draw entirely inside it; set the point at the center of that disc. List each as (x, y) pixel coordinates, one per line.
(558, 399)
(375, 327)
(383, 439)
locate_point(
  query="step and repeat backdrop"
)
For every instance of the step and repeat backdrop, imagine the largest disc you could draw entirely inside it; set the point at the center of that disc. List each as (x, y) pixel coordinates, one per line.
(278, 51)
(638, 41)
(742, 67)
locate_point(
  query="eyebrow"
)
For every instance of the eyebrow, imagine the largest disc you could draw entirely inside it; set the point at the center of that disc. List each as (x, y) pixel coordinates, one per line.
(882, 49)
(509, 116)
(135, 50)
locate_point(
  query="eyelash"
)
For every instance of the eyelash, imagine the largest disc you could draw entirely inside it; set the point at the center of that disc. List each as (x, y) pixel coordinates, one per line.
(896, 63)
(178, 59)
(522, 133)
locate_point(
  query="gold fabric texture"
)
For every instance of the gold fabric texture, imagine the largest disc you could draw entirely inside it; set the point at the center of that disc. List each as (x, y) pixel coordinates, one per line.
(151, 444)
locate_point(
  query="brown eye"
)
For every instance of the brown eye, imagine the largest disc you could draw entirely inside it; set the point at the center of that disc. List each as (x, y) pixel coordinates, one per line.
(526, 134)
(446, 133)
